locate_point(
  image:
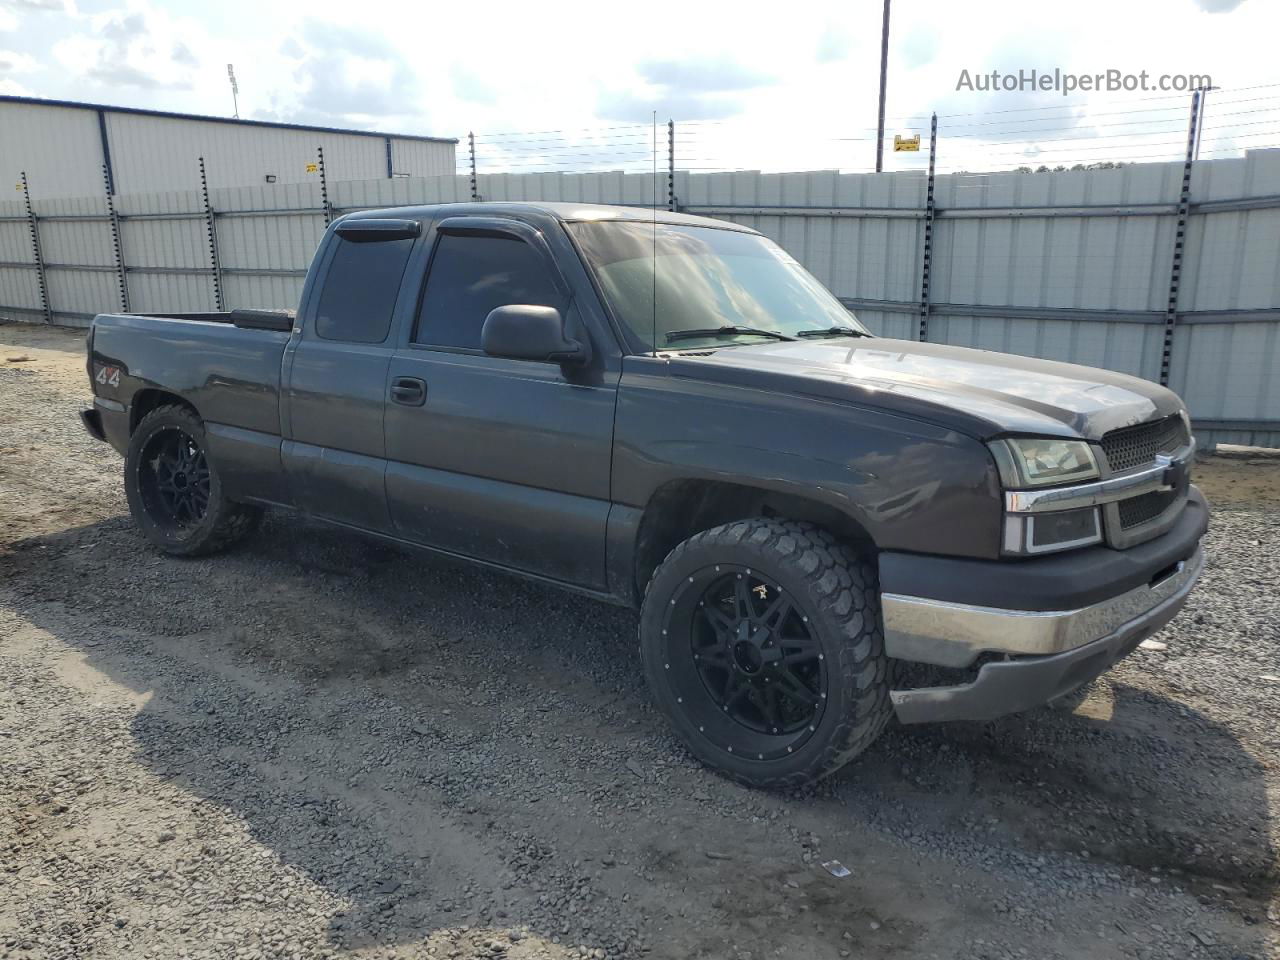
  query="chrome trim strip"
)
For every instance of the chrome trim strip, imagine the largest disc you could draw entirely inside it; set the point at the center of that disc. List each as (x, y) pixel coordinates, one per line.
(954, 634)
(1120, 487)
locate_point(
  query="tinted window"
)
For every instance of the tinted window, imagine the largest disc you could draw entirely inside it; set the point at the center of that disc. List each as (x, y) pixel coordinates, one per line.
(360, 290)
(471, 276)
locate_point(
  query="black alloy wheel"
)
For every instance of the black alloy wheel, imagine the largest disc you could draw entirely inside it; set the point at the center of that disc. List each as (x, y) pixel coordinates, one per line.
(174, 480)
(758, 665)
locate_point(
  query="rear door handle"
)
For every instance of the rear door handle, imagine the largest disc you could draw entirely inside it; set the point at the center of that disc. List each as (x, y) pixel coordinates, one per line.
(409, 391)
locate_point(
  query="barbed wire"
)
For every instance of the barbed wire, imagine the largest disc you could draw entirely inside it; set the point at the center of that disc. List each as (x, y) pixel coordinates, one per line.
(1059, 136)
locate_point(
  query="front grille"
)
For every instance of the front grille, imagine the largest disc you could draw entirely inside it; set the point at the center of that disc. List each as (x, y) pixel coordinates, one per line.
(1139, 510)
(1138, 445)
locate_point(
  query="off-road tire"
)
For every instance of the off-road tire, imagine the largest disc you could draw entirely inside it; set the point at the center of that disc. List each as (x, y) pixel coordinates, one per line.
(224, 522)
(838, 589)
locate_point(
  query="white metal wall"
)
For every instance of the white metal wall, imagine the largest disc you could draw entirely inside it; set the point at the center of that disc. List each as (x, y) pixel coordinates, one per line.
(157, 153)
(421, 158)
(60, 148)
(1071, 266)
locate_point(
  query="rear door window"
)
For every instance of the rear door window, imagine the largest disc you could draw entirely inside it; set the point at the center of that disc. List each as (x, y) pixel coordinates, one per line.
(360, 290)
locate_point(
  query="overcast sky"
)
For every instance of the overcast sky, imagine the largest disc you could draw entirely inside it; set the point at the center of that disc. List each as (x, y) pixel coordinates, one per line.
(780, 85)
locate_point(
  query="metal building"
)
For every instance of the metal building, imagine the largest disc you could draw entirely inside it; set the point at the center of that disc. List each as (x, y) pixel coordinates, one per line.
(63, 147)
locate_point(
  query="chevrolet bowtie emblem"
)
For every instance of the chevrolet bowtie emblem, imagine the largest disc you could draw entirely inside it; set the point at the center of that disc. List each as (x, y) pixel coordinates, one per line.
(1175, 472)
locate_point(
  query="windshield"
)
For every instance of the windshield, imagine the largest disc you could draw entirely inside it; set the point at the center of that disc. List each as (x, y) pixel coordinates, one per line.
(706, 280)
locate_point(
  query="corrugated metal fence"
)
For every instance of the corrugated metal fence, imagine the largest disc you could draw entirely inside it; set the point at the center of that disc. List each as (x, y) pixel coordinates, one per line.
(1074, 265)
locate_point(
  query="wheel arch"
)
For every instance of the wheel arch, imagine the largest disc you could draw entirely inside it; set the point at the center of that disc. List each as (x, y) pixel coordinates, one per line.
(150, 398)
(680, 508)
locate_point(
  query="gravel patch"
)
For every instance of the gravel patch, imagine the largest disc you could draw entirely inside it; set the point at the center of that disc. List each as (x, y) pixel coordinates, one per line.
(320, 746)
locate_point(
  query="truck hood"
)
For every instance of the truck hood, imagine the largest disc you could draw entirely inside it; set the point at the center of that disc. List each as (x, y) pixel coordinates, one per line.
(978, 392)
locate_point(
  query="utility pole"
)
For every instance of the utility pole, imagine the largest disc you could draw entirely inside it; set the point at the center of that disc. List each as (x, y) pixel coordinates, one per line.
(1179, 238)
(235, 89)
(475, 186)
(1204, 97)
(884, 76)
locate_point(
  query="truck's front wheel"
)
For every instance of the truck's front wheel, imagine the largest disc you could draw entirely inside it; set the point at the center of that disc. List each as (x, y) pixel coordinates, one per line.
(173, 489)
(763, 644)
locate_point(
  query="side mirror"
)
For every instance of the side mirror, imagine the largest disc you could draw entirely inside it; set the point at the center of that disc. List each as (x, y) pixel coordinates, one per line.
(522, 331)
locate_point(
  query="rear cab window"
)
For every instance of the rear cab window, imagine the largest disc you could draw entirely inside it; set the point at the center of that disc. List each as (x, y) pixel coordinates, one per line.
(360, 289)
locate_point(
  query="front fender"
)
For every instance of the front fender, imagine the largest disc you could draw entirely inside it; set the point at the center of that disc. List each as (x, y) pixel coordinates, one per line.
(912, 486)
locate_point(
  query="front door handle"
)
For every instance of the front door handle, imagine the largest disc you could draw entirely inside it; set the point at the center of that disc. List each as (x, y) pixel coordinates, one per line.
(409, 391)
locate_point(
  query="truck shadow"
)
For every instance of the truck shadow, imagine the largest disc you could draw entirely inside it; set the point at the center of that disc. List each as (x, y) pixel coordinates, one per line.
(438, 746)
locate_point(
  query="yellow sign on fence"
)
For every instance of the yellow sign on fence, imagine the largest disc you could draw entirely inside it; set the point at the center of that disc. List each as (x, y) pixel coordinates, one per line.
(906, 144)
(312, 167)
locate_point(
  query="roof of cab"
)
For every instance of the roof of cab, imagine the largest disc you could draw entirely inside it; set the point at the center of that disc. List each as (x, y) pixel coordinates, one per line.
(564, 212)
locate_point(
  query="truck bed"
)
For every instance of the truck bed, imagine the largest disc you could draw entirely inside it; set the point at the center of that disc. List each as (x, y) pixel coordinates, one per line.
(227, 364)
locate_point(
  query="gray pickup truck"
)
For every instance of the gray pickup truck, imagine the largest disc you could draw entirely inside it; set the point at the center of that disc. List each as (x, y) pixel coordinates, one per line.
(672, 414)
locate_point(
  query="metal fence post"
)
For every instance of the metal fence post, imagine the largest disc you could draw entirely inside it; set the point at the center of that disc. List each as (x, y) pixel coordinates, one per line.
(926, 262)
(35, 250)
(213, 240)
(671, 165)
(1179, 240)
(475, 186)
(118, 250)
(324, 187)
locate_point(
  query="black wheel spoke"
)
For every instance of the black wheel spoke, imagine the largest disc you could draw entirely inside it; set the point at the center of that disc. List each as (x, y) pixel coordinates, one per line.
(778, 611)
(772, 710)
(732, 679)
(742, 598)
(738, 688)
(794, 689)
(721, 622)
(794, 650)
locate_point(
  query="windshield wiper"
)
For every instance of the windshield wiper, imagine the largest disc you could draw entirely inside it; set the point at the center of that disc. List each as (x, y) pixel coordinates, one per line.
(832, 332)
(726, 331)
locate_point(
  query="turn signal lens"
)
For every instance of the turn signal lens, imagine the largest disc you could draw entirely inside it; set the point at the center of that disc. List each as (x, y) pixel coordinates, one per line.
(1047, 532)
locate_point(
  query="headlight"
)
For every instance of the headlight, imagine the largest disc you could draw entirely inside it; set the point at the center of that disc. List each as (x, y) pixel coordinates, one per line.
(1034, 462)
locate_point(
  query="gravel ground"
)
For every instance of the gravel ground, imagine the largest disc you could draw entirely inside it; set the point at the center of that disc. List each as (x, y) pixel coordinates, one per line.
(319, 746)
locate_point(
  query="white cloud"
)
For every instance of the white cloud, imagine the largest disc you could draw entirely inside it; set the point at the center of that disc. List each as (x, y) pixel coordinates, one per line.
(57, 6)
(799, 88)
(139, 47)
(11, 63)
(344, 77)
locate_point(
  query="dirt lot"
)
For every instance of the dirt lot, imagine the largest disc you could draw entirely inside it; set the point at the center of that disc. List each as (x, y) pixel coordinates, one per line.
(317, 746)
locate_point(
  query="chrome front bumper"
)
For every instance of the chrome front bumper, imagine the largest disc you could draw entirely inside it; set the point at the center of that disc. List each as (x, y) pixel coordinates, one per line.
(954, 634)
(1055, 650)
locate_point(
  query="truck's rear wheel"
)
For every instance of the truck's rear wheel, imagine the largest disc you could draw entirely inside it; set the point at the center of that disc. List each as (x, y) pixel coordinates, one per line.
(174, 491)
(763, 643)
